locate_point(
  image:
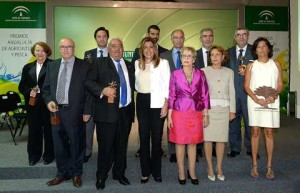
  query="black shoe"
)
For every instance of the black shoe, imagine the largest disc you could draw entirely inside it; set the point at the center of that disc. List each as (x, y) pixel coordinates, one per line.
(193, 181)
(159, 179)
(233, 154)
(173, 158)
(182, 182)
(32, 162)
(100, 184)
(144, 180)
(214, 152)
(122, 180)
(250, 154)
(47, 162)
(86, 158)
(137, 154)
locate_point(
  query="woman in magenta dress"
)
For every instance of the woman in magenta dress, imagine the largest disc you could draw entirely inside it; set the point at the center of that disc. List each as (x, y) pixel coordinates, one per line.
(188, 104)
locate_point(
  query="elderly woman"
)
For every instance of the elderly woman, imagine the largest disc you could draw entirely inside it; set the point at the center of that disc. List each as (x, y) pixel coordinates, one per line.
(39, 127)
(222, 100)
(152, 85)
(188, 104)
(263, 108)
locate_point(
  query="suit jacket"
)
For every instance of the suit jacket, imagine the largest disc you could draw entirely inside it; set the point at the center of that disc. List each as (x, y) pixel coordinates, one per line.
(136, 54)
(234, 65)
(90, 53)
(80, 101)
(168, 56)
(101, 73)
(29, 80)
(183, 96)
(199, 63)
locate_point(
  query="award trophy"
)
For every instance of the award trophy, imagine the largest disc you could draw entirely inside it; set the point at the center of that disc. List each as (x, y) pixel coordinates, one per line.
(266, 92)
(113, 85)
(33, 93)
(55, 120)
(242, 67)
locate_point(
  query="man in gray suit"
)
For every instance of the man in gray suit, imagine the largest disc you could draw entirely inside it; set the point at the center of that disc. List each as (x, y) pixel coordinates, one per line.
(173, 57)
(65, 95)
(240, 54)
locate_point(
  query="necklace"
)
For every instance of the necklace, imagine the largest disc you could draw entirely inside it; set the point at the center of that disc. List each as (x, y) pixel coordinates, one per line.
(189, 76)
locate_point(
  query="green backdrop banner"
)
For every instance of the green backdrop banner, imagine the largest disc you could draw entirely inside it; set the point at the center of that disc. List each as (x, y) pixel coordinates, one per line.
(22, 15)
(130, 24)
(266, 18)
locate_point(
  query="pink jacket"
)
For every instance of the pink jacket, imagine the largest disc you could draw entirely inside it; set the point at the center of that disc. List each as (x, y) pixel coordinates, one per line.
(183, 96)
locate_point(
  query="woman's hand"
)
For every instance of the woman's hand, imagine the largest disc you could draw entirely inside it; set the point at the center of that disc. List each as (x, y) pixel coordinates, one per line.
(270, 100)
(164, 110)
(231, 116)
(170, 122)
(205, 121)
(262, 102)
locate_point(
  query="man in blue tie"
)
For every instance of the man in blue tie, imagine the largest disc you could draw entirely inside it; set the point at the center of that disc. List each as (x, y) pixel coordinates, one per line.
(101, 36)
(173, 57)
(111, 81)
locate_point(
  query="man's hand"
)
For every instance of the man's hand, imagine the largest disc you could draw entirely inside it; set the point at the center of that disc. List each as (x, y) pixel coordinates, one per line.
(52, 107)
(86, 118)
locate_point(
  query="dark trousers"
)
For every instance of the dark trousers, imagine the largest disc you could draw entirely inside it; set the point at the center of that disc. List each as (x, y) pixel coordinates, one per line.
(150, 127)
(235, 133)
(90, 127)
(69, 145)
(39, 131)
(112, 145)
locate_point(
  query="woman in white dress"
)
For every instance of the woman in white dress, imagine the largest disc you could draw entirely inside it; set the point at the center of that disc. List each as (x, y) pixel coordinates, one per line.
(263, 105)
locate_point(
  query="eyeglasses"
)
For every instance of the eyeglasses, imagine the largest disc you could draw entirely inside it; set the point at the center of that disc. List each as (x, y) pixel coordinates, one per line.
(178, 38)
(66, 47)
(187, 56)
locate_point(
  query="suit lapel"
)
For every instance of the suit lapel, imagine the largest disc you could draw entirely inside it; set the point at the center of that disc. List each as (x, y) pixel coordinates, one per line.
(32, 72)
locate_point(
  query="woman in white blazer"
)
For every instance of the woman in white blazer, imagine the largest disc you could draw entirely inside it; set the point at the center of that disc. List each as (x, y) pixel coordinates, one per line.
(152, 76)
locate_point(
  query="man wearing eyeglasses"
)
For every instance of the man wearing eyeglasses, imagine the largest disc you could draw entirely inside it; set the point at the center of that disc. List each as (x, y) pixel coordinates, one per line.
(173, 57)
(239, 56)
(65, 95)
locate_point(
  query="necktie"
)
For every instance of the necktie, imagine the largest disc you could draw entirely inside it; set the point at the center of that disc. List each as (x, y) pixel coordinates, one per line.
(61, 86)
(178, 63)
(207, 58)
(101, 53)
(122, 84)
(240, 57)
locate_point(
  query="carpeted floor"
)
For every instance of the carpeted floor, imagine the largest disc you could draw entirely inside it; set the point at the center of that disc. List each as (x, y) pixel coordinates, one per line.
(17, 176)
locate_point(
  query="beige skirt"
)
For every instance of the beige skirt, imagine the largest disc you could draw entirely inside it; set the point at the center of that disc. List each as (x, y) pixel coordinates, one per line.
(218, 128)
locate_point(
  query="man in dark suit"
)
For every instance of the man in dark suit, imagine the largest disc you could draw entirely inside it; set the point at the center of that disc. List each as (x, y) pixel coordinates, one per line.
(101, 36)
(39, 127)
(64, 93)
(207, 40)
(152, 32)
(240, 54)
(111, 81)
(173, 57)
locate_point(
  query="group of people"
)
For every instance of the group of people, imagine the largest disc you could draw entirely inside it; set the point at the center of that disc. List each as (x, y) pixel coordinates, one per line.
(206, 96)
